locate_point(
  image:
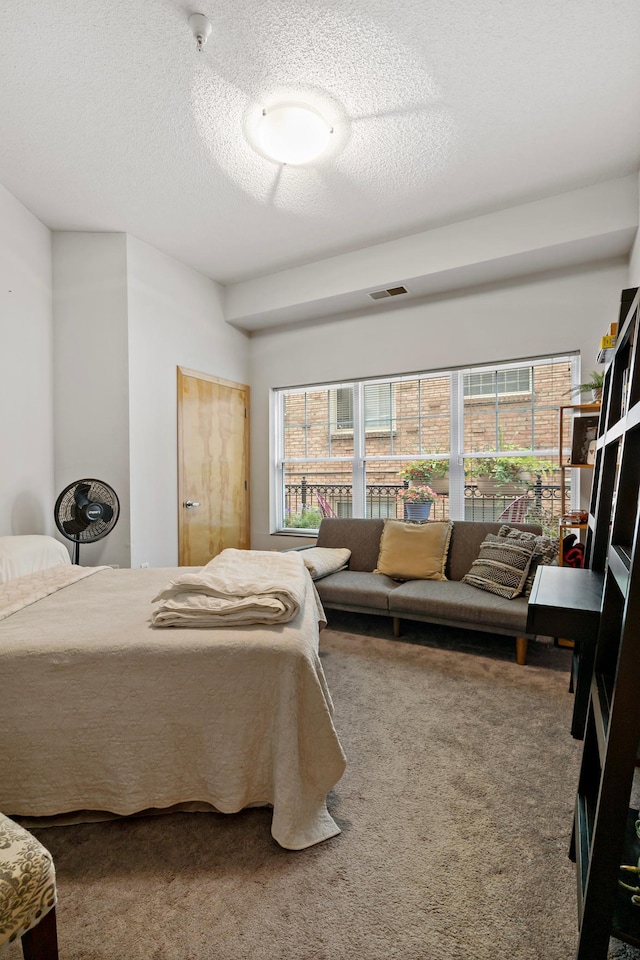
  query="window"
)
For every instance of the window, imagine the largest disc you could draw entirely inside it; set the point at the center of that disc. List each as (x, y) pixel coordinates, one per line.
(344, 408)
(492, 382)
(351, 449)
(377, 407)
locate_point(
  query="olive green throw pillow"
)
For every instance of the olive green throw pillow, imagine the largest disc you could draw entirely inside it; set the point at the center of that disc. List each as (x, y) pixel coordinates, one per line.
(414, 551)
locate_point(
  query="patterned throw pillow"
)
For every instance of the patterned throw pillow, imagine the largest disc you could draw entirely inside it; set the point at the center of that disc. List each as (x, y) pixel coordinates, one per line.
(501, 567)
(545, 551)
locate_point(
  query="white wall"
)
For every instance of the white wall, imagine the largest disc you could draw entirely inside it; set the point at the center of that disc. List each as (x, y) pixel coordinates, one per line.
(125, 317)
(91, 376)
(175, 319)
(551, 314)
(634, 260)
(26, 372)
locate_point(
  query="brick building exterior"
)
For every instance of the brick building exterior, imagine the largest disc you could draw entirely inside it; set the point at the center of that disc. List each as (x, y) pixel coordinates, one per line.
(410, 419)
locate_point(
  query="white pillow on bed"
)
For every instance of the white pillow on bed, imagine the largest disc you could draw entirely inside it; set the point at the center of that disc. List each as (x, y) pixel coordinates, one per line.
(321, 561)
(28, 554)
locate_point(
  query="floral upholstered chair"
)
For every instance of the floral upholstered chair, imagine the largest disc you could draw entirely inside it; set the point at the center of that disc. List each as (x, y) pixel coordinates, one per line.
(27, 893)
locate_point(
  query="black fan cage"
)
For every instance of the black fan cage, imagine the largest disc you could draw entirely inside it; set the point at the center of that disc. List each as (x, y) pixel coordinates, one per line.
(66, 510)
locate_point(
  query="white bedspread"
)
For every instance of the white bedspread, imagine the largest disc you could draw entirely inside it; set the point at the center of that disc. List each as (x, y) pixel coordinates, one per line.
(237, 586)
(101, 712)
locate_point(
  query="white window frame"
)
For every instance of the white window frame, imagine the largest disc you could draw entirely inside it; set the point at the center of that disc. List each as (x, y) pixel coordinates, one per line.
(456, 452)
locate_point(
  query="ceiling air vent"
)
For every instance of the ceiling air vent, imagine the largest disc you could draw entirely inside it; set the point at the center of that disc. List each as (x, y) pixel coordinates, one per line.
(389, 292)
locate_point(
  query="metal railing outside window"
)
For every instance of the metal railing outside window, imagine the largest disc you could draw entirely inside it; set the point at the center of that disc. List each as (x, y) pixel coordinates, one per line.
(382, 500)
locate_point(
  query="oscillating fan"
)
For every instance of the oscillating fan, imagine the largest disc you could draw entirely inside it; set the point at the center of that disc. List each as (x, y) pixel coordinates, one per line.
(86, 511)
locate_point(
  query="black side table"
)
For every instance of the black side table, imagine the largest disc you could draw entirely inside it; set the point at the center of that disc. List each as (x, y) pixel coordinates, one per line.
(566, 602)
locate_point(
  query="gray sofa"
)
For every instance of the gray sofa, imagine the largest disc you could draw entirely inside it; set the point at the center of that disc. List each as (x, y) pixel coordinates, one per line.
(449, 602)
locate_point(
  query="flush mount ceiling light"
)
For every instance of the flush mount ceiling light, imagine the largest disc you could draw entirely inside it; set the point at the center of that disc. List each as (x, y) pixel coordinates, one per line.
(292, 133)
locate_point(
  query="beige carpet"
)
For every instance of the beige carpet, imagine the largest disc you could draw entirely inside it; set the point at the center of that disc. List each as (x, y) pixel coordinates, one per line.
(455, 812)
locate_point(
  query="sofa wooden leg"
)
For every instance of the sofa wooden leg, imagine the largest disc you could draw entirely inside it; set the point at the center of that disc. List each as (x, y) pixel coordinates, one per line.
(396, 626)
(41, 942)
(521, 650)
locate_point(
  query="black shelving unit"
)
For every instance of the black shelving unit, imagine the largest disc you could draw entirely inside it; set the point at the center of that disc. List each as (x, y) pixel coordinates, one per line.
(604, 835)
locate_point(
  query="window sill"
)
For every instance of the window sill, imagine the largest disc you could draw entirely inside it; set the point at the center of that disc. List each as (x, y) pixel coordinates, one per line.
(309, 532)
(369, 432)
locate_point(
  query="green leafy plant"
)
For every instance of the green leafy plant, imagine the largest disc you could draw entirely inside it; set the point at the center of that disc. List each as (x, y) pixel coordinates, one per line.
(422, 471)
(307, 519)
(595, 383)
(503, 470)
(545, 516)
(422, 494)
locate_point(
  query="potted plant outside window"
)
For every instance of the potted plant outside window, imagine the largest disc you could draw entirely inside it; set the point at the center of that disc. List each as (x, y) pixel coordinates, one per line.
(417, 502)
(506, 476)
(432, 472)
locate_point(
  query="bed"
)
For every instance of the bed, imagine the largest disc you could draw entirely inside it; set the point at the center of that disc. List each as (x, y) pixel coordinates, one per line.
(101, 712)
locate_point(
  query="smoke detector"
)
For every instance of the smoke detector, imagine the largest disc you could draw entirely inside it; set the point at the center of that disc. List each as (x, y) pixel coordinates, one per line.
(200, 28)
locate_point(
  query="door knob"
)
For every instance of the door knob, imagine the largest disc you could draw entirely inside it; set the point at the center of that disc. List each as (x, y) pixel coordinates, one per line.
(191, 503)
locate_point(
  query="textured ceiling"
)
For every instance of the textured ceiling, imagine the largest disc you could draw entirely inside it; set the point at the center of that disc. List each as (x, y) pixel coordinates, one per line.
(111, 119)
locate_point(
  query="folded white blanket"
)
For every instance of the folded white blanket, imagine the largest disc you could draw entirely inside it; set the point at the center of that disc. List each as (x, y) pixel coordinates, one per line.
(237, 586)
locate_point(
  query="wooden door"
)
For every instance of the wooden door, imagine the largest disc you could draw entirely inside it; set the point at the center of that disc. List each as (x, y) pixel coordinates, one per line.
(213, 466)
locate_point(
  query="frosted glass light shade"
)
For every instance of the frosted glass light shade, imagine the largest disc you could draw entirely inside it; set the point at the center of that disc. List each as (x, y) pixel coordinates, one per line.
(293, 133)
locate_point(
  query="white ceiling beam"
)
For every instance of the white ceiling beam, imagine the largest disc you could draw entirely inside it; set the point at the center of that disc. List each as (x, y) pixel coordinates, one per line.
(595, 222)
